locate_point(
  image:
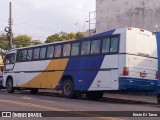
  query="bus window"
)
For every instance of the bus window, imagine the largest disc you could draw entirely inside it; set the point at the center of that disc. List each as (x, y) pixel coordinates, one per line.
(10, 59)
(29, 54)
(114, 44)
(106, 45)
(36, 53)
(95, 46)
(57, 51)
(66, 49)
(43, 53)
(18, 56)
(75, 49)
(23, 55)
(85, 49)
(50, 51)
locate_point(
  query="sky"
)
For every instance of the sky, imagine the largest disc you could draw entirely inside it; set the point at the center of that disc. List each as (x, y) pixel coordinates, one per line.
(42, 18)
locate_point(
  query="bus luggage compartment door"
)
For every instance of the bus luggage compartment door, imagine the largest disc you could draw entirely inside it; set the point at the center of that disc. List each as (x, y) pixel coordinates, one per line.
(105, 80)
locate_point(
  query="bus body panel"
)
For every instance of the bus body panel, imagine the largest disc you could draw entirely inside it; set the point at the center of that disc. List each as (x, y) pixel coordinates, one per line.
(104, 79)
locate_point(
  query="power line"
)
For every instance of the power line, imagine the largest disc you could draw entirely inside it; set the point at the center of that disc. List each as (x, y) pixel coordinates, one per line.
(35, 26)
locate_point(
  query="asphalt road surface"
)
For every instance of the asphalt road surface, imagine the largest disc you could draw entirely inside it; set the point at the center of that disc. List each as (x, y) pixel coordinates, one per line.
(49, 101)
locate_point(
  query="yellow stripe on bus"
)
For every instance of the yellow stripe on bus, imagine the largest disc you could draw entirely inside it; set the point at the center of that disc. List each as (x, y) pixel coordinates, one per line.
(48, 79)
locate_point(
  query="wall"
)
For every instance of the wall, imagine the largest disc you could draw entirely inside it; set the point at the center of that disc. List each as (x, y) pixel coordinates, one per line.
(112, 14)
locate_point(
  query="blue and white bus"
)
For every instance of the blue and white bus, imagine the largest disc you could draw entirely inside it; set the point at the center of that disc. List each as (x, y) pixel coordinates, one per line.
(120, 59)
(158, 49)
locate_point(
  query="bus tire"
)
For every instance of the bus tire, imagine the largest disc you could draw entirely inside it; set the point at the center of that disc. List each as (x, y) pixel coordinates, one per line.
(158, 98)
(94, 95)
(9, 84)
(34, 90)
(68, 89)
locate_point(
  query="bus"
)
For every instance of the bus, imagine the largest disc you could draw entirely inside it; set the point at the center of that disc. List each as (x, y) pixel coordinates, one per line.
(158, 50)
(119, 59)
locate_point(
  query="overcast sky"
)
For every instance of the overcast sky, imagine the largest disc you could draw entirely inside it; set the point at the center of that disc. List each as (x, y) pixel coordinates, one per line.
(41, 18)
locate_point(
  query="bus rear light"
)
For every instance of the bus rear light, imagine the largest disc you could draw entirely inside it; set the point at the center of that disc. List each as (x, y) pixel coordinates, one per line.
(126, 71)
(129, 28)
(141, 30)
(156, 74)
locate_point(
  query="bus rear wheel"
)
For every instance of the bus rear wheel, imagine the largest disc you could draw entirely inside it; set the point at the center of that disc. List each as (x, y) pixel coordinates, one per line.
(9, 84)
(94, 95)
(34, 90)
(158, 98)
(68, 88)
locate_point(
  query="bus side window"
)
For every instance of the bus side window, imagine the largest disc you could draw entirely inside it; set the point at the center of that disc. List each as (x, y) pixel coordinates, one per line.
(29, 54)
(23, 55)
(75, 49)
(114, 44)
(57, 52)
(18, 56)
(85, 49)
(36, 53)
(66, 49)
(50, 51)
(95, 46)
(43, 53)
(105, 45)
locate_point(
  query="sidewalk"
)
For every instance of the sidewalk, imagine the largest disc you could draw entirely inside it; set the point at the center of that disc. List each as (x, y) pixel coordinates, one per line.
(143, 98)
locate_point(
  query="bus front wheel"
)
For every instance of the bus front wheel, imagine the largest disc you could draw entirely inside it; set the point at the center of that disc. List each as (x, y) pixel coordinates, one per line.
(68, 88)
(94, 95)
(158, 98)
(9, 84)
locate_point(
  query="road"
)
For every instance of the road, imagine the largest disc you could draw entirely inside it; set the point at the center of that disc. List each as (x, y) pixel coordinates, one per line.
(49, 101)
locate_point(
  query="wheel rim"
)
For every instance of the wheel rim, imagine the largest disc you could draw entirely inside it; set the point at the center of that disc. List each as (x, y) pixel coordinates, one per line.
(9, 84)
(67, 88)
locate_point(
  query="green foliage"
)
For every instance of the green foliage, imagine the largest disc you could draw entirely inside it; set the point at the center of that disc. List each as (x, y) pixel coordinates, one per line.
(19, 41)
(35, 42)
(22, 41)
(64, 36)
(53, 38)
(71, 36)
(79, 35)
(3, 42)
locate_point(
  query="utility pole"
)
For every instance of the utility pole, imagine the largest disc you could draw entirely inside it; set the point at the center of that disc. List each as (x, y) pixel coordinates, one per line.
(10, 25)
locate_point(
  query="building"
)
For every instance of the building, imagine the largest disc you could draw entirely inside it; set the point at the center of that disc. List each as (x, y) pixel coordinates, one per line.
(112, 14)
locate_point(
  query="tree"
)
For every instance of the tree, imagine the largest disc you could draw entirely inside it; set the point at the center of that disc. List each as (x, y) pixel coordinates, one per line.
(53, 38)
(64, 36)
(71, 36)
(35, 42)
(22, 41)
(3, 44)
(79, 35)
